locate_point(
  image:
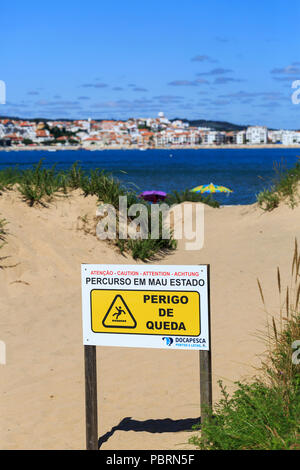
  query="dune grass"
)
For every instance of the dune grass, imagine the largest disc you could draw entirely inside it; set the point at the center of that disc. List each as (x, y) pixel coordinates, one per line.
(38, 186)
(285, 187)
(264, 414)
(3, 223)
(3, 233)
(9, 177)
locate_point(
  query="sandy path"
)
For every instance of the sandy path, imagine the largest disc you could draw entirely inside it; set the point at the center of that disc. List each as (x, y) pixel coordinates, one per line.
(147, 398)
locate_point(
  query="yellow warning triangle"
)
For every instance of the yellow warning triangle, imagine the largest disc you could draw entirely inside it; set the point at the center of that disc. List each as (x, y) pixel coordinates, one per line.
(118, 315)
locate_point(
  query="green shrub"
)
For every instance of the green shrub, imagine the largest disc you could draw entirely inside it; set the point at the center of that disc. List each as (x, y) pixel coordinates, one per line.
(146, 249)
(74, 178)
(3, 232)
(287, 183)
(285, 188)
(2, 229)
(38, 184)
(104, 186)
(255, 418)
(268, 199)
(177, 197)
(108, 190)
(9, 177)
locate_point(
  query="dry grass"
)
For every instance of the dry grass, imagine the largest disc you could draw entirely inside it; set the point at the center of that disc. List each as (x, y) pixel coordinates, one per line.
(3, 233)
(264, 414)
(284, 329)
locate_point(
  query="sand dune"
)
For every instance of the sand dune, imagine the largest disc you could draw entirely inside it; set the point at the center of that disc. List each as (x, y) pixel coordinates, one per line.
(147, 398)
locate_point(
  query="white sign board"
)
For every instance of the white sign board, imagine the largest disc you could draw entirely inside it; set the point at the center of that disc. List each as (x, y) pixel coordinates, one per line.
(145, 306)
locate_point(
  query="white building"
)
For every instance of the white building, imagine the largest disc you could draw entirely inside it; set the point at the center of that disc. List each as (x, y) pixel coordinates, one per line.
(163, 118)
(214, 137)
(240, 137)
(290, 137)
(257, 135)
(275, 136)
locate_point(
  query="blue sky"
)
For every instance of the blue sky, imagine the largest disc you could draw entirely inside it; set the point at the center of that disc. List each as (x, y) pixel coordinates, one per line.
(221, 60)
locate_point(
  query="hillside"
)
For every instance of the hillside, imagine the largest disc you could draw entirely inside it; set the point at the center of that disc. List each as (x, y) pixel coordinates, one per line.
(216, 125)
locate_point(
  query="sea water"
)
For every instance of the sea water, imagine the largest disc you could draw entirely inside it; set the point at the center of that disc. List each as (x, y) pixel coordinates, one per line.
(245, 171)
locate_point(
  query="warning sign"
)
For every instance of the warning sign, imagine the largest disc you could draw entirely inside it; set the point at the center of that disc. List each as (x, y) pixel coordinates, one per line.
(148, 312)
(118, 314)
(146, 306)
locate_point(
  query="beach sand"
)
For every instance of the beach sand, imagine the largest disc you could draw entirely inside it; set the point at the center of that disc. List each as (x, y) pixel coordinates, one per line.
(15, 148)
(147, 398)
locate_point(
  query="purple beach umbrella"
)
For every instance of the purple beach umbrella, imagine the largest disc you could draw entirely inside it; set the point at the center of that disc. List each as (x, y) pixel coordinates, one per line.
(153, 196)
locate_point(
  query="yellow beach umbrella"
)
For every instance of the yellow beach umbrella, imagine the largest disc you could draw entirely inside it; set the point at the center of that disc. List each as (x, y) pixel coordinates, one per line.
(211, 188)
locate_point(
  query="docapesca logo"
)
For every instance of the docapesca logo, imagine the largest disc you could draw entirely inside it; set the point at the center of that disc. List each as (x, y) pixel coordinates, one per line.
(168, 340)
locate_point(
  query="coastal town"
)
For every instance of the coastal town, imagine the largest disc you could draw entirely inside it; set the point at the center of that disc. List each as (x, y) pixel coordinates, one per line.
(141, 133)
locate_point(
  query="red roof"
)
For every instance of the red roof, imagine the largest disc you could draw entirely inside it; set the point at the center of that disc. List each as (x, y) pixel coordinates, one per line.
(41, 133)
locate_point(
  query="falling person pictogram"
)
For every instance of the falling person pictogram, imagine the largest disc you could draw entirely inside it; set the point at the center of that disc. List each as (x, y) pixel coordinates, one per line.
(118, 315)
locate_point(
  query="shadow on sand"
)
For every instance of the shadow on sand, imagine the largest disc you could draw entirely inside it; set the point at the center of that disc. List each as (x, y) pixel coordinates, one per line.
(151, 425)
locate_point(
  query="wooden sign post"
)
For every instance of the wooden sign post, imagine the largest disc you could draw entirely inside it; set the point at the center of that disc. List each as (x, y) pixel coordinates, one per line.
(91, 407)
(206, 367)
(126, 306)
